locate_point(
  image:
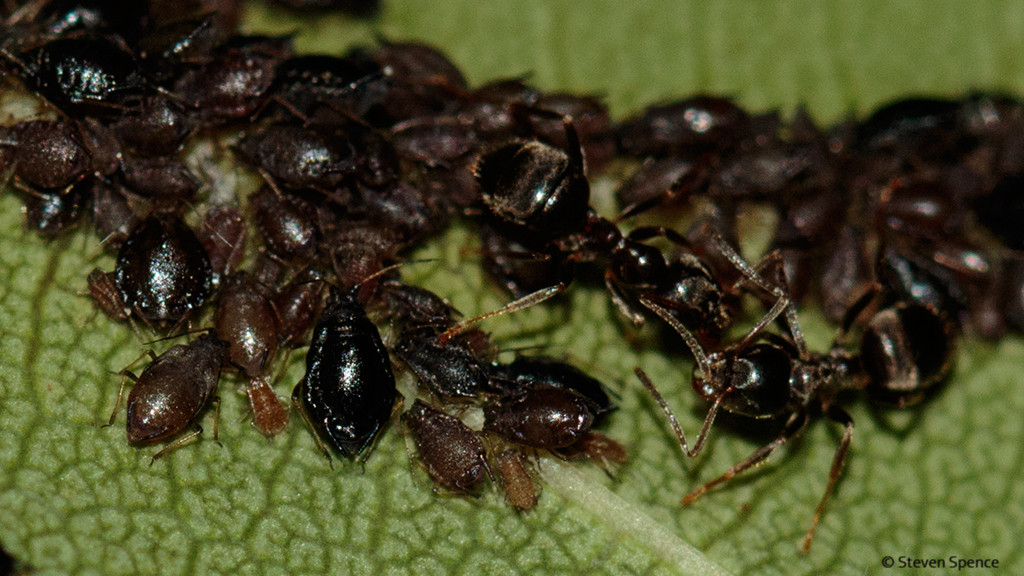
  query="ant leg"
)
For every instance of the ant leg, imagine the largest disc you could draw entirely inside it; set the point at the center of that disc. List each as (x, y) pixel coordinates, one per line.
(527, 301)
(691, 341)
(620, 301)
(708, 419)
(751, 274)
(793, 426)
(839, 415)
(855, 310)
(177, 444)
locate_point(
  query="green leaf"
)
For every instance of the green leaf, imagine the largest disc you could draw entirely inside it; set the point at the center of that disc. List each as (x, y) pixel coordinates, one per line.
(938, 481)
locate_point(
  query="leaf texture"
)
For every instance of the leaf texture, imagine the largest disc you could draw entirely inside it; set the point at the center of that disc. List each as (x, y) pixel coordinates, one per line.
(937, 481)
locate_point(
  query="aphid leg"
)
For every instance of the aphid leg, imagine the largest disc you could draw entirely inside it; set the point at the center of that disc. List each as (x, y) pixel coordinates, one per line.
(709, 418)
(839, 415)
(527, 301)
(296, 401)
(120, 394)
(216, 420)
(177, 444)
(793, 426)
(125, 374)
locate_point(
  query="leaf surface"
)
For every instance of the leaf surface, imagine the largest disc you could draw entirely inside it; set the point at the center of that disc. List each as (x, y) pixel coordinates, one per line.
(938, 481)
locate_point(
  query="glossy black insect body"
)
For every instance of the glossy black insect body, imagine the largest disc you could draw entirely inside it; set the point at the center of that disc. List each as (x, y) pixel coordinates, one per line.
(162, 271)
(83, 74)
(906, 351)
(349, 390)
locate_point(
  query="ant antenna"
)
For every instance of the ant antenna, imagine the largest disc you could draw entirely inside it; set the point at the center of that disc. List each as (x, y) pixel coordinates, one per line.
(691, 341)
(709, 419)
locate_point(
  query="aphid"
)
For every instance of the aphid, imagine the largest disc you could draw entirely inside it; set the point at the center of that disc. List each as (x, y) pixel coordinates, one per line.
(222, 233)
(351, 83)
(245, 318)
(450, 370)
(516, 479)
(297, 306)
(154, 125)
(235, 82)
(300, 156)
(162, 271)
(171, 392)
(269, 415)
(112, 216)
(527, 371)
(697, 124)
(50, 214)
(164, 179)
(452, 453)
(540, 417)
(287, 224)
(103, 289)
(47, 154)
(348, 392)
(83, 74)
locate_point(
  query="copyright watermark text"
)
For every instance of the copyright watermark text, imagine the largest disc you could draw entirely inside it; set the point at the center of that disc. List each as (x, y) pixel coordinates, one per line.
(953, 561)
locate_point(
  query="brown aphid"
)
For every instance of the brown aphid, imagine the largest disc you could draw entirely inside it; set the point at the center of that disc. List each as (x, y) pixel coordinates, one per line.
(451, 452)
(287, 224)
(269, 415)
(516, 480)
(163, 178)
(172, 391)
(297, 306)
(112, 215)
(600, 448)
(48, 154)
(162, 271)
(50, 213)
(245, 318)
(540, 417)
(222, 233)
(104, 292)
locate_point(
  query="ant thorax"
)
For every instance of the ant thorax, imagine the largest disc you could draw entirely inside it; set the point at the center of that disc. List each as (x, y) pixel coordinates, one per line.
(822, 375)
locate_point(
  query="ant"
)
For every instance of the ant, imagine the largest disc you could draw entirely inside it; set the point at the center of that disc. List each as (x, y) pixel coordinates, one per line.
(537, 196)
(904, 352)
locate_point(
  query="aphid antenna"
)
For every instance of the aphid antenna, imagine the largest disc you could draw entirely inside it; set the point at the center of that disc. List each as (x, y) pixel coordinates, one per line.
(180, 334)
(383, 271)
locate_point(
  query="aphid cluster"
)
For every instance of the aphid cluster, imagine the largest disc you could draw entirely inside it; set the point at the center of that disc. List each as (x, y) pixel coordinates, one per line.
(903, 227)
